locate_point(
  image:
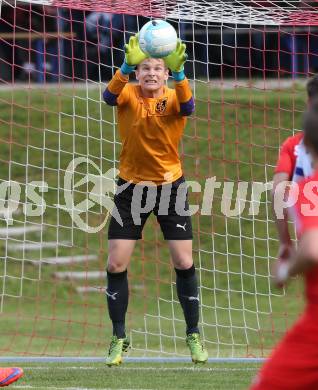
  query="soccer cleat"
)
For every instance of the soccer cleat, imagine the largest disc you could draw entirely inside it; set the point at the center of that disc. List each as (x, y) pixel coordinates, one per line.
(198, 353)
(9, 375)
(116, 349)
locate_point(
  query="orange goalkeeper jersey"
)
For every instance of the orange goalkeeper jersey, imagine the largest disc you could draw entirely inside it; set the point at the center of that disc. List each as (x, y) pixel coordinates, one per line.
(150, 129)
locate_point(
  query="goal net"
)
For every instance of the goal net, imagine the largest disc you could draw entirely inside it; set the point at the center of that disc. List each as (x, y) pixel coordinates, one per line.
(59, 147)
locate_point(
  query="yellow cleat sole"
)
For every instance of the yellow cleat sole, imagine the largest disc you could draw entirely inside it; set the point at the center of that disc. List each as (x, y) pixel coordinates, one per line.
(114, 364)
(199, 361)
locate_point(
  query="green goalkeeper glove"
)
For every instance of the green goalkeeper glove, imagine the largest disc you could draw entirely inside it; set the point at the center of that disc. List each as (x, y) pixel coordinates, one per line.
(133, 55)
(175, 61)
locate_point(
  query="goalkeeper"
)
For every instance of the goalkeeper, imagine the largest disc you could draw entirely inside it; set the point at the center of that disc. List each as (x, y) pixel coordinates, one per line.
(151, 121)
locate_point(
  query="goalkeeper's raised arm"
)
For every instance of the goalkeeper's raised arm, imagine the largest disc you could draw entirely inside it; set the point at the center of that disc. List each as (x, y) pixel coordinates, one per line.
(175, 62)
(133, 57)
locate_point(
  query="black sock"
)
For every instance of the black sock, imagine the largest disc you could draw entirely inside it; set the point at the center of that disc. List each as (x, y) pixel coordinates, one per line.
(117, 300)
(187, 289)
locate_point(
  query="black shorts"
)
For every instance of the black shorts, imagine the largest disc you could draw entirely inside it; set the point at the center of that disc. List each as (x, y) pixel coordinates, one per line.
(134, 204)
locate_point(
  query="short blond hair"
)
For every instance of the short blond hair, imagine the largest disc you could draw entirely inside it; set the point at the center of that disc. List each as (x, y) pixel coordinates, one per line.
(151, 58)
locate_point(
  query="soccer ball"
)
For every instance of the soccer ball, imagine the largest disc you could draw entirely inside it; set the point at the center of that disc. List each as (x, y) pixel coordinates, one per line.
(157, 38)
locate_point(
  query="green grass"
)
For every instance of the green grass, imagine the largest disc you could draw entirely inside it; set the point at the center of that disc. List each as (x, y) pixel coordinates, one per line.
(234, 135)
(140, 376)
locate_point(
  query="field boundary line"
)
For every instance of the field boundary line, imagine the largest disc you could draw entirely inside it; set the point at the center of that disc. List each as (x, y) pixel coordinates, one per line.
(193, 368)
(65, 359)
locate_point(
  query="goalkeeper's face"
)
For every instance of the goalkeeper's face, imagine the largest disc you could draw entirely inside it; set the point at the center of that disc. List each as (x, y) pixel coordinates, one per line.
(152, 75)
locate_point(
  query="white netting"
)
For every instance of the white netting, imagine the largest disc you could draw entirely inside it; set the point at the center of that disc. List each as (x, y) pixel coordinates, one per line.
(263, 12)
(243, 75)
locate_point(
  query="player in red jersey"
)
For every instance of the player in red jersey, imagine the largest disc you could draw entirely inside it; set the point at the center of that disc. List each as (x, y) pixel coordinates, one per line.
(293, 364)
(9, 375)
(294, 163)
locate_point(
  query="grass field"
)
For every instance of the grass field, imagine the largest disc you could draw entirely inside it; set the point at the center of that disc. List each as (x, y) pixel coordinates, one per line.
(234, 136)
(142, 376)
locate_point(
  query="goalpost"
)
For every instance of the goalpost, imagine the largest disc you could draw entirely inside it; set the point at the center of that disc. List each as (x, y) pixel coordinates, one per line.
(59, 147)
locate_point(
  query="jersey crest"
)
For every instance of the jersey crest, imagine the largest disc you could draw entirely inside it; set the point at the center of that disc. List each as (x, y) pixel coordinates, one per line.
(161, 105)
